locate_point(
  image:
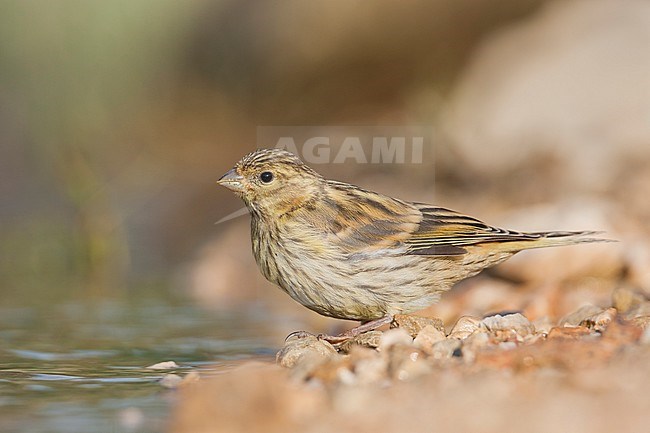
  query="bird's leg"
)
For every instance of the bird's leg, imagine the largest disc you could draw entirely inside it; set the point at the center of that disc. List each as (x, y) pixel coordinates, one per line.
(351, 333)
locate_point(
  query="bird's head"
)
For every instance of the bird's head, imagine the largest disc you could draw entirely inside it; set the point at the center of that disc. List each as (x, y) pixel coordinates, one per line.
(272, 181)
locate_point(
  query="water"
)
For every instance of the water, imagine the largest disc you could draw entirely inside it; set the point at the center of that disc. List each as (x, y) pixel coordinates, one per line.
(79, 366)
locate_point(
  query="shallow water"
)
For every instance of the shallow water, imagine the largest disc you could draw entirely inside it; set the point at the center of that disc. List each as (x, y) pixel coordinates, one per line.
(79, 366)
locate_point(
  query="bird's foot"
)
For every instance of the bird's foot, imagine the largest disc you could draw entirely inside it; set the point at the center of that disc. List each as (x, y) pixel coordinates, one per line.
(332, 339)
(344, 336)
(300, 334)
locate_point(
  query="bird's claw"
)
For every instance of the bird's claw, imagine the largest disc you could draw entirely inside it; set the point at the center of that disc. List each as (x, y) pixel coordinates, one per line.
(300, 334)
(332, 339)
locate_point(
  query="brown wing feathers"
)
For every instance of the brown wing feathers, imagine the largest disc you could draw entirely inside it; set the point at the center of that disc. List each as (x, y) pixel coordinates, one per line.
(443, 232)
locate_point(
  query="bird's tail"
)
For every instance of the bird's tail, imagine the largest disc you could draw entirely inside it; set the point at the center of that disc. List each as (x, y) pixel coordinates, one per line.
(553, 239)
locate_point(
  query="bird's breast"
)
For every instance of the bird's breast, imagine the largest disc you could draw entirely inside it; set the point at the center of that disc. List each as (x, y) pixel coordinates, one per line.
(319, 273)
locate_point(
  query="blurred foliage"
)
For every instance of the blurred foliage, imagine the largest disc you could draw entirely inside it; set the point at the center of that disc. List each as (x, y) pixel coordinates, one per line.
(74, 74)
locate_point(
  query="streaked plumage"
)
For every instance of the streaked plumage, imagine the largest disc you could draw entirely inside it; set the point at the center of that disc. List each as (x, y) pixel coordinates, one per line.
(349, 253)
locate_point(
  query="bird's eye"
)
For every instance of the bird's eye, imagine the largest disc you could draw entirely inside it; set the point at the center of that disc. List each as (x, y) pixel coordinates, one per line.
(266, 176)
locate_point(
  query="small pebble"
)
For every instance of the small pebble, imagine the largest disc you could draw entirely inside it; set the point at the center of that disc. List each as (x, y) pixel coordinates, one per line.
(427, 337)
(577, 317)
(516, 321)
(165, 365)
(414, 324)
(299, 348)
(464, 327)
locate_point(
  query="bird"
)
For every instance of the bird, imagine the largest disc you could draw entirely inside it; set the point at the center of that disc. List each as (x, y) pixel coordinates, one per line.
(350, 253)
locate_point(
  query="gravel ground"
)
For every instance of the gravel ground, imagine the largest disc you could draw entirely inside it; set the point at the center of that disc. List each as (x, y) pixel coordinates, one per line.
(589, 371)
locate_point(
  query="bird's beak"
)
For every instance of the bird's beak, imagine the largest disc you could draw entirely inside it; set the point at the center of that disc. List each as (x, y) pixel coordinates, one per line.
(232, 180)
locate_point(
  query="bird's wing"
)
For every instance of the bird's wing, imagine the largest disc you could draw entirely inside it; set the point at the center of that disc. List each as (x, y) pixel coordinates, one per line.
(361, 221)
(443, 232)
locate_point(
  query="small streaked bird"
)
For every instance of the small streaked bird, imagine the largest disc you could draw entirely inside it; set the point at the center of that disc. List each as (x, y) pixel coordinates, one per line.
(349, 253)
